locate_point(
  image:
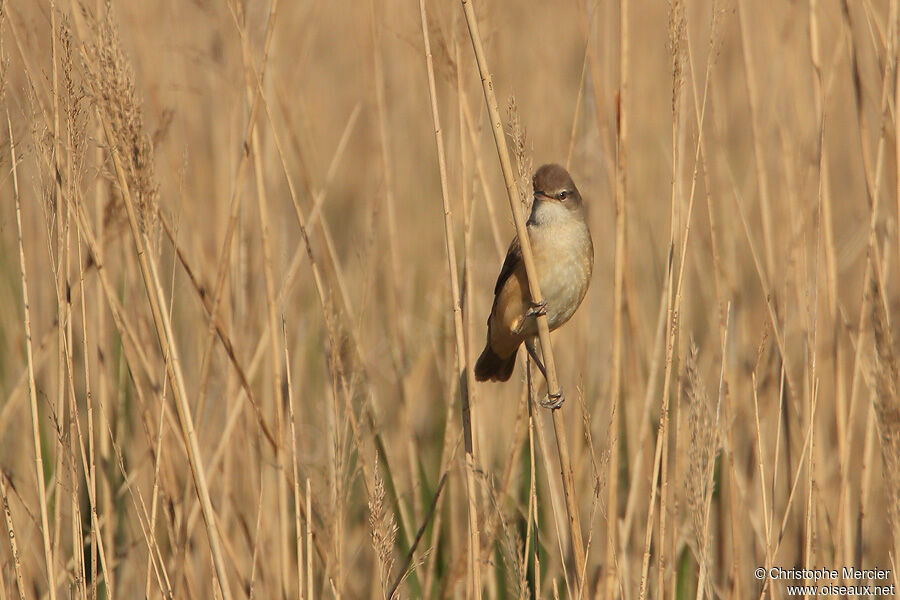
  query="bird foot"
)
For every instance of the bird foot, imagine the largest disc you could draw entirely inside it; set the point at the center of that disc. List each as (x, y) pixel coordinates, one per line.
(554, 401)
(538, 309)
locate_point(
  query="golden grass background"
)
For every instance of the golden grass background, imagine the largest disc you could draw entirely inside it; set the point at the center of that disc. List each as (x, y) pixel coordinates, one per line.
(775, 222)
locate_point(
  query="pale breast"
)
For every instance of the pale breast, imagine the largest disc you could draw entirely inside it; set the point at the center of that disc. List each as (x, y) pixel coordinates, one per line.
(564, 257)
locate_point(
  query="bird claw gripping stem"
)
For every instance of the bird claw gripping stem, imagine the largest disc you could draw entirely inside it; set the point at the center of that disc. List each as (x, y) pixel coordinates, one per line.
(538, 309)
(554, 401)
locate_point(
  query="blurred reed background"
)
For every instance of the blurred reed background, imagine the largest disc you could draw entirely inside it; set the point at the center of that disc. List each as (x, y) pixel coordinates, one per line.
(236, 372)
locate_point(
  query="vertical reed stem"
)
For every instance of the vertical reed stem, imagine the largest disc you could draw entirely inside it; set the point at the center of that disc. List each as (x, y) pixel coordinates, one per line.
(474, 544)
(618, 302)
(32, 389)
(173, 366)
(553, 387)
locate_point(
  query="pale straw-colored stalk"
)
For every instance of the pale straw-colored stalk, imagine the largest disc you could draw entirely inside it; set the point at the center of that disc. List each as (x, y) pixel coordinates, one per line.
(11, 532)
(166, 339)
(474, 543)
(32, 388)
(309, 543)
(298, 499)
(762, 171)
(622, 131)
(235, 205)
(553, 387)
(272, 314)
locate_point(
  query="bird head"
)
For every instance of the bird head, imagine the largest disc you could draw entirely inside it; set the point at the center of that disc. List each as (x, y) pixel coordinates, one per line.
(552, 183)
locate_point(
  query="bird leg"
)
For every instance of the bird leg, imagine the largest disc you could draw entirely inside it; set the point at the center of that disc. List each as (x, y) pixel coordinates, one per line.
(553, 401)
(529, 345)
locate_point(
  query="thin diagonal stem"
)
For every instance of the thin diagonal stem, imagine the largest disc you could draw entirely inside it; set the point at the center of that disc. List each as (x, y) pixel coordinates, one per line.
(553, 387)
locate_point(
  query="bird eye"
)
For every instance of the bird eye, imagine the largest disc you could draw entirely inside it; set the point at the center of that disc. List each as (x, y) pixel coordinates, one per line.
(563, 194)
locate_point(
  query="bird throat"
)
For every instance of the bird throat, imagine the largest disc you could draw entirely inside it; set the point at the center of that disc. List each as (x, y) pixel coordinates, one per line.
(550, 212)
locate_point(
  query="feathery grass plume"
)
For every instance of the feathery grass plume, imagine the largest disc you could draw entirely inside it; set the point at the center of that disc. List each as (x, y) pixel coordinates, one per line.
(73, 107)
(383, 529)
(599, 463)
(702, 446)
(4, 59)
(887, 404)
(512, 548)
(112, 89)
(43, 146)
(715, 35)
(524, 162)
(677, 31)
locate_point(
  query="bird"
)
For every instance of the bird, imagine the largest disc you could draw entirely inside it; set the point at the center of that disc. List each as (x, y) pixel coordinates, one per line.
(564, 259)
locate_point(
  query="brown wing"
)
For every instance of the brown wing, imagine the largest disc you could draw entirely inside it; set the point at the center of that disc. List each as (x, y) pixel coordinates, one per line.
(510, 294)
(512, 261)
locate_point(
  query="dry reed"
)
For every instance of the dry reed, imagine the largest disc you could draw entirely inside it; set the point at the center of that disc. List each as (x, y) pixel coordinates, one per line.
(232, 208)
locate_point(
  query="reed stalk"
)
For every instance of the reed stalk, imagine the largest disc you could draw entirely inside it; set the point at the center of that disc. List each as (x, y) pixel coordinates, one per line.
(166, 340)
(553, 387)
(32, 388)
(462, 364)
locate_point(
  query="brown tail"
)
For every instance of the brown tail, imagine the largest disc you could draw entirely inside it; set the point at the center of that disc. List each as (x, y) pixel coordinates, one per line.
(491, 366)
